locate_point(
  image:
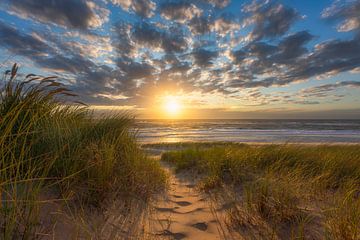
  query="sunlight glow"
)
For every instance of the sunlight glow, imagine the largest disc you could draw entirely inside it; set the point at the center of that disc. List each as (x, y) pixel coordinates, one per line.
(172, 106)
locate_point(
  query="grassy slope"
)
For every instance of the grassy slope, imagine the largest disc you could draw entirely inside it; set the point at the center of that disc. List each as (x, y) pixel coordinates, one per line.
(48, 146)
(282, 191)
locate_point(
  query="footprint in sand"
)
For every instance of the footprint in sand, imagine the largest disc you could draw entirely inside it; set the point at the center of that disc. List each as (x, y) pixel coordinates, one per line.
(184, 213)
(183, 203)
(201, 226)
(177, 236)
(177, 196)
(199, 209)
(165, 209)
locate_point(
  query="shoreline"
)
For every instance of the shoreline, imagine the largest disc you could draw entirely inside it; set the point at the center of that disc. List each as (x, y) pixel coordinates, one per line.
(221, 143)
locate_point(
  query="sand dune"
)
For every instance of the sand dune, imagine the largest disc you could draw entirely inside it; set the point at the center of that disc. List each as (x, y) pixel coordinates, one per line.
(184, 213)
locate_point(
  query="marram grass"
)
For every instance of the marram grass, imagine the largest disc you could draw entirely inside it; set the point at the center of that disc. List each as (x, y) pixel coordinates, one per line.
(49, 145)
(281, 191)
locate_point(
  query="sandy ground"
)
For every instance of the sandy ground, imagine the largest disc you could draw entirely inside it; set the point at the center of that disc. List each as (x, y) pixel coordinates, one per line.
(184, 213)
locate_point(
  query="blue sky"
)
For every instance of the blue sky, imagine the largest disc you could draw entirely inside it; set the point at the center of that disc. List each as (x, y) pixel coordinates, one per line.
(217, 59)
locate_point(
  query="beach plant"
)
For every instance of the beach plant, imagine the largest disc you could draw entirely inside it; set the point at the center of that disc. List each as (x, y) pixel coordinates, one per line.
(53, 149)
(292, 191)
(342, 219)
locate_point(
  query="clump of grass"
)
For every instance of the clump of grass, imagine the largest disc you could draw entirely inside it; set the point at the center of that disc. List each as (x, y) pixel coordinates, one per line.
(48, 144)
(342, 220)
(272, 199)
(282, 188)
(332, 166)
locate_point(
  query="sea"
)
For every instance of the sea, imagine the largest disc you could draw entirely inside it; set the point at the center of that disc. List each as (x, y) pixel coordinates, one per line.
(248, 131)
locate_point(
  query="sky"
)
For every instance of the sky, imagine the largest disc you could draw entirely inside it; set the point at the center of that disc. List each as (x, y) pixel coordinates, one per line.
(193, 59)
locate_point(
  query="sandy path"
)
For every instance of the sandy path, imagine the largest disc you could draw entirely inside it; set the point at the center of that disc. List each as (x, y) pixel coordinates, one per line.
(184, 213)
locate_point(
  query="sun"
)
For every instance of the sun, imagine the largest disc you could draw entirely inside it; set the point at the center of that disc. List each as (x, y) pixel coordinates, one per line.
(172, 106)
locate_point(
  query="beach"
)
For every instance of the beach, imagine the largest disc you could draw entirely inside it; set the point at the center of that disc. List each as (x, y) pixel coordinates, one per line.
(255, 179)
(179, 120)
(261, 191)
(249, 131)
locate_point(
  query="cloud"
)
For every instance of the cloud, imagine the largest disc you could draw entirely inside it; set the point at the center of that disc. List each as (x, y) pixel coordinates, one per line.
(179, 11)
(22, 44)
(345, 12)
(53, 52)
(263, 65)
(324, 90)
(241, 83)
(199, 25)
(187, 46)
(261, 50)
(78, 14)
(203, 57)
(174, 41)
(148, 35)
(292, 47)
(122, 42)
(133, 69)
(100, 47)
(304, 102)
(90, 79)
(269, 19)
(330, 57)
(218, 3)
(238, 56)
(224, 25)
(40, 52)
(144, 8)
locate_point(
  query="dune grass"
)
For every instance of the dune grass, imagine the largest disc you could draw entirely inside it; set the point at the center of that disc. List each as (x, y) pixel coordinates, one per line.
(281, 191)
(48, 146)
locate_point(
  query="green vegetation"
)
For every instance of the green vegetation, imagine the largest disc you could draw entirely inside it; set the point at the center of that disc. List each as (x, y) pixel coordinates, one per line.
(56, 151)
(281, 191)
(50, 149)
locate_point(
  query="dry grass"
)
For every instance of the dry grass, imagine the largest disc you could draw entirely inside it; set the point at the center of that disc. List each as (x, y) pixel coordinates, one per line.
(281, 191)
(53, 151)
